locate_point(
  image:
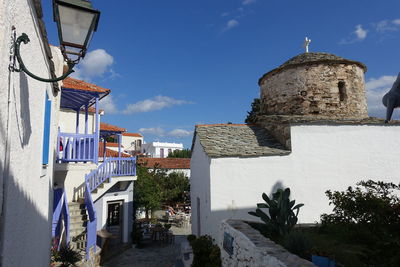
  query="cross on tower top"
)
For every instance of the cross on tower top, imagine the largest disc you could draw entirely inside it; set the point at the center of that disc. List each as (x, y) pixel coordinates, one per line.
(306, 43)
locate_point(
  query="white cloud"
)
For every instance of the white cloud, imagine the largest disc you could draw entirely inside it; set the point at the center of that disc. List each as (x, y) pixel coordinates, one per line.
(231, 24)
(160, 132)
(157, 131)
(152, 104)
(360, 32)
(95, 64)
(396, 21)
(247, 2)
(225, 14)
(108, 104)
(376, 89)
(179, 133)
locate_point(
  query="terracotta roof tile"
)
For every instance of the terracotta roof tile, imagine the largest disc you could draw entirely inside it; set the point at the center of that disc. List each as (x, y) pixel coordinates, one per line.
(165, 163)
(73, 83)
(109, 127)
(132, 134)
(112, 153)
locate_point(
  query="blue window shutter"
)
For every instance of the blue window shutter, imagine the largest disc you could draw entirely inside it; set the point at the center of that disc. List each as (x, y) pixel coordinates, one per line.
(46, 132)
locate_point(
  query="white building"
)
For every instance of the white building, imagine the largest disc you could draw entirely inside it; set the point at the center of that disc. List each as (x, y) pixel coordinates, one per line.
(85, 163)
(168, 164)
(160, 149)
(132, 143)
(28, 130)
(321, 147)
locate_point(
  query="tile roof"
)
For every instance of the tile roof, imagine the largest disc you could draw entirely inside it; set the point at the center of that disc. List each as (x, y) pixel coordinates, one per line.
(111, 128)
(73, 83)
(132, 134)
(112, 153)
(237, 140)
(166, 163)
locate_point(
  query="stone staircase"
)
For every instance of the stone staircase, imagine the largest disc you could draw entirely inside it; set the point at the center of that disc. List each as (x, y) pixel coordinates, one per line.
(78, 222)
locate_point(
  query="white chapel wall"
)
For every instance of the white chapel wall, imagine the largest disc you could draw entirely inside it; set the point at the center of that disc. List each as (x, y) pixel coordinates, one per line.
(323, 157)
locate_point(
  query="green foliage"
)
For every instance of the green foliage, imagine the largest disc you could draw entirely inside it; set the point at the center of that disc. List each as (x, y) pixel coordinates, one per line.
(205, 252)
(190, 238)
(185, 153)
(255, 110)
(137, 234)
(147, 189)
(154, 187)
(298, 243)
(368, 214)
(66, 255)
(282, 217)
(175, 188)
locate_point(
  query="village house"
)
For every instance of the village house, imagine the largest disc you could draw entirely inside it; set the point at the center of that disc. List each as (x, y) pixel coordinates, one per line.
(160, 149)
(312, 134)
(28, 131)
(168, 164)
(132, 143)
(95, 182)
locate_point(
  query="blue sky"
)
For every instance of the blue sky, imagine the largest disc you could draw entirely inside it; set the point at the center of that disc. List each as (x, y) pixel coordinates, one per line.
(174, 64)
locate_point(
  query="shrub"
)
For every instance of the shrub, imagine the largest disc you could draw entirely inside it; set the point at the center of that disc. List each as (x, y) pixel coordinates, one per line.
(205, 252)
(282, 217)
(368, 214)
(298, 243)
(67, 256)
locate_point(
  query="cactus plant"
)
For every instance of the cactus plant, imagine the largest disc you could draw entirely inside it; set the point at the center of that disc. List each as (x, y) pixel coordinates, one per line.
(282, 212)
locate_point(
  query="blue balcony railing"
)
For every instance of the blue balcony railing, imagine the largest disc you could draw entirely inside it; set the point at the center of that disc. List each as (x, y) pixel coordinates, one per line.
(77, 147)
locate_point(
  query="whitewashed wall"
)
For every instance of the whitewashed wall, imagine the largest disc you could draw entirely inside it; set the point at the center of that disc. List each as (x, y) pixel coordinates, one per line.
(153, 149)
(101, 210)
(25, 221)
(68, 121)
(200, 189)
(323, 157)
(129, 142)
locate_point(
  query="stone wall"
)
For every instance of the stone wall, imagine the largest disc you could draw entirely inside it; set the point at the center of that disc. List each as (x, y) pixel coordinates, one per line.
(250, 248)
(335, 90)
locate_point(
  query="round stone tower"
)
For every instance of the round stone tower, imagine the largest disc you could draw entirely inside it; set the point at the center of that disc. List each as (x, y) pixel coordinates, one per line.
(315, 84)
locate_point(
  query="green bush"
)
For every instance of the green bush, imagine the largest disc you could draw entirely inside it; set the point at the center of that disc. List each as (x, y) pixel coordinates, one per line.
(298, 243)
(205, 252)
(67, 256)
(368, 214)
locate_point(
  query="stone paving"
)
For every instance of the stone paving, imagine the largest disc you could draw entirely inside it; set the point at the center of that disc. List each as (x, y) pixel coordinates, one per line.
(153, 254)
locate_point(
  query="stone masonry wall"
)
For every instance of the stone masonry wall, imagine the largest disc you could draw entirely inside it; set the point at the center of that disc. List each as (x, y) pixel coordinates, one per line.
(314, 90)
(250, 248)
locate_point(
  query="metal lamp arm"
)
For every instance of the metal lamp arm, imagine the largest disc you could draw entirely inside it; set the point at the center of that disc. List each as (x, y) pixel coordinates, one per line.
(25, 39)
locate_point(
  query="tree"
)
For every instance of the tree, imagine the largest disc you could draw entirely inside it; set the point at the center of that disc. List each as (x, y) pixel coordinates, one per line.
(255, 110)
(185, 153)
(175, 187)
(368, 214)
(147, 189)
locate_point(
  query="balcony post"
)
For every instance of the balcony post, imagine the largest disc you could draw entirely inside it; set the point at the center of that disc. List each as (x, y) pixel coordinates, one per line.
(119, 144)
(97, 132)
(86, 118)
(77, 121)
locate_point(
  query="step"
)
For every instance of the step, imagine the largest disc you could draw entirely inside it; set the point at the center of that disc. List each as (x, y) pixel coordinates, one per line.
(76, 205)
(78, 218)
(79, 245)
(77, 224)
(81, 237)
(76, 232)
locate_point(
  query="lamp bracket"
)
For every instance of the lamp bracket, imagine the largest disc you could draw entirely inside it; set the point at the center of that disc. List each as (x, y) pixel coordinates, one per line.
(25, 39)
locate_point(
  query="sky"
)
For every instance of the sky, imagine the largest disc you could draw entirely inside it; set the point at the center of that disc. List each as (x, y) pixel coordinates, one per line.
(172, 64)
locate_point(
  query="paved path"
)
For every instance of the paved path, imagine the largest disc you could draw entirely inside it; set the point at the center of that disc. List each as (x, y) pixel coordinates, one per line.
(153, 254)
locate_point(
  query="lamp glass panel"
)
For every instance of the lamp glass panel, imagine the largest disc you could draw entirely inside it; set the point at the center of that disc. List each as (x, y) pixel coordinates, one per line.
(75, 24)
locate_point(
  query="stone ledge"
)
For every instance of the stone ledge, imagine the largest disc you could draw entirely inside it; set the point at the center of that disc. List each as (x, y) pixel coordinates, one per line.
(250, 248)
(323, 120)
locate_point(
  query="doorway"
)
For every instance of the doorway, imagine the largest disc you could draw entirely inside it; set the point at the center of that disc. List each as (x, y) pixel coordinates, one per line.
(115, 220)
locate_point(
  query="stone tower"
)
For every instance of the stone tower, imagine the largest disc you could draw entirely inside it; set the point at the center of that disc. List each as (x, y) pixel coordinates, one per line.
(315, 85)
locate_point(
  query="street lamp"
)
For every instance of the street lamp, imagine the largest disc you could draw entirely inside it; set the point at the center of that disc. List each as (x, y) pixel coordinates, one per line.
(76, 21)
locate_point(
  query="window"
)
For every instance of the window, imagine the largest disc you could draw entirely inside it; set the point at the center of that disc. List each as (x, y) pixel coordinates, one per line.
(46, 130)
(169, 151)
(161, 152)
(138, 144)
(342, 91)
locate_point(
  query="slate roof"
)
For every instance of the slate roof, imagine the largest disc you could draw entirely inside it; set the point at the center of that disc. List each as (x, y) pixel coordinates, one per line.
(312, 58)
(237, 140)
(166, 163)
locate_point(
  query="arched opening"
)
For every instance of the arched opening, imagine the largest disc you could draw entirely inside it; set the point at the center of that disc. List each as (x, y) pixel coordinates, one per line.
(342, 91)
